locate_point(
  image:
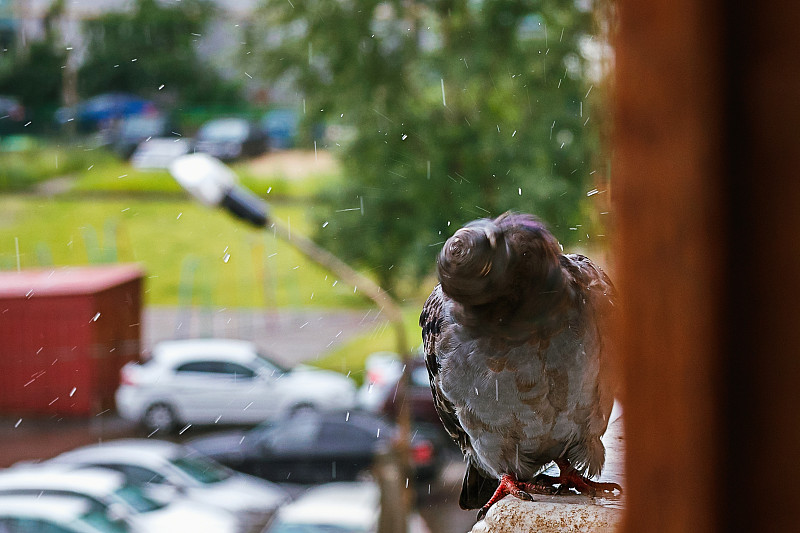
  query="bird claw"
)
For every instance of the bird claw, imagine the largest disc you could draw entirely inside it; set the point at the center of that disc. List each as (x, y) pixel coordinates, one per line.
(523, 495)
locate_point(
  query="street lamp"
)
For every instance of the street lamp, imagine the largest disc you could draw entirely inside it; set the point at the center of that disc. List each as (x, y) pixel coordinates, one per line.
(214, 184)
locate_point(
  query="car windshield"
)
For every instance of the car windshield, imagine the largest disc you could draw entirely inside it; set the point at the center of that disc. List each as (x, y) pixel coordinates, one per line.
(135, 498)
(202, 469)
(98, 521)
(142, 126)
(269, 365)
(224, 130)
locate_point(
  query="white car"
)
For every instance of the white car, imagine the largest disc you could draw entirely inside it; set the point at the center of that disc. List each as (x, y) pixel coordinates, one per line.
(109, 491)
(222, 381)
(62, 514)
(166, 470)
(337, 507)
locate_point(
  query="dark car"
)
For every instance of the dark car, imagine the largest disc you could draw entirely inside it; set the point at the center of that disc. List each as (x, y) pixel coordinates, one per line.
(102, 111)
(315, 447)
(138, 128)
(231, 138)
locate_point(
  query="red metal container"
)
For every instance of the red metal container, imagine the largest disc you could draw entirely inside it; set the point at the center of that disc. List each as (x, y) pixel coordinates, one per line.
(64, 335)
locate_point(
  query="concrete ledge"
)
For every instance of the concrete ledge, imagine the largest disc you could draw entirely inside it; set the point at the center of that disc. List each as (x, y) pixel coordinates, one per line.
(568, 513)
(550, 514)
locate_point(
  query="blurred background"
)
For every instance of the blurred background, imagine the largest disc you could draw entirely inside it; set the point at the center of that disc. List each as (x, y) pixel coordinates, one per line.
(376, 128)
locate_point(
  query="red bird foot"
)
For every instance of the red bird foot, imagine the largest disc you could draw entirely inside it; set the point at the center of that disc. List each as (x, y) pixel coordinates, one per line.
(569, 478)
(510, 485)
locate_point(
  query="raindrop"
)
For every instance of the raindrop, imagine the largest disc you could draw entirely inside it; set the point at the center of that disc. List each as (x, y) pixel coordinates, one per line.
(347, 417)
(379, 434)
(72, 392)
(95, 317)
(18, 423)
(181, 432)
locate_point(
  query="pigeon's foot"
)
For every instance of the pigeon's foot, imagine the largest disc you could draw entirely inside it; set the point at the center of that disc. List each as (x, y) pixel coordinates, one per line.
(569, 478)
(509, 485)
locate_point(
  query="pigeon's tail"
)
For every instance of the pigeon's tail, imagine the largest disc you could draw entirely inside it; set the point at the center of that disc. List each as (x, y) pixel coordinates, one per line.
(589, 457)
(477, 489)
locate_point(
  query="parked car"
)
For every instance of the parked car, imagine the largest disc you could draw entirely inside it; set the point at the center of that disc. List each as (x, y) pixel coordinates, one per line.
(280, 125)
(222, 381)
(101, 111)
(337, 508)
(231, 138)
(165, 470)
(379, 391)
(55, 514)
(111, 492)
(133, 130)
(159, 152)
(315, 447)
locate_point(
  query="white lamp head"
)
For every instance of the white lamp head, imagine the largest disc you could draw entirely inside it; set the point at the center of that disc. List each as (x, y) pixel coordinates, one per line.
(206, 178)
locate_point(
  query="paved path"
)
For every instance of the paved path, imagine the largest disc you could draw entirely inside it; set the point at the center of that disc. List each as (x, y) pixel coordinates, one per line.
(292, 336)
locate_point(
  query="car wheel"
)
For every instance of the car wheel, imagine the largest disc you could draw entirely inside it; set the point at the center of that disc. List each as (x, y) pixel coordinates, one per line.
(160, 417)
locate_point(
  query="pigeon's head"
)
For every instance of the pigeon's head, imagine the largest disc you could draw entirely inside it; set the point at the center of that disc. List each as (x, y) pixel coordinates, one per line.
(473, 262)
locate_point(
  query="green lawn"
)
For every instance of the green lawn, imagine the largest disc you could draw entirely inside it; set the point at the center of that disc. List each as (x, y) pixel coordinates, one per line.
(233, 265)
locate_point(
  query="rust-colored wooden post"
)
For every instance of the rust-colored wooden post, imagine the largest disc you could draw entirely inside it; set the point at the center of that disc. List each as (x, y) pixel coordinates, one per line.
(707, 203)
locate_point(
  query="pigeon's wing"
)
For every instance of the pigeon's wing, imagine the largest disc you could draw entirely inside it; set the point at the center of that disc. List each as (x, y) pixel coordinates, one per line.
(477, 488)
(432, 320)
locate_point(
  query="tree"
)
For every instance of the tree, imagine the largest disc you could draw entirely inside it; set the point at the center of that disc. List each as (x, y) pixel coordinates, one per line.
(151, 46)
(34, 74)
(459, 109)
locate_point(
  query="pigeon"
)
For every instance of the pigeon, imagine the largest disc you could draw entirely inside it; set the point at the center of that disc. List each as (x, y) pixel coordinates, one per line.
(515, 345)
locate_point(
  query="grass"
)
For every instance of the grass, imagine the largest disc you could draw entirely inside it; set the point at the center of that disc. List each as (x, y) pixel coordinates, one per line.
(26, 168)
(232, 265)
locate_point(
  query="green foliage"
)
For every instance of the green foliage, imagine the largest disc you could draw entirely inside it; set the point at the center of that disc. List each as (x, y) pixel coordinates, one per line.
(34, 74)
(24, 169)
(459, 110)
(151, 46)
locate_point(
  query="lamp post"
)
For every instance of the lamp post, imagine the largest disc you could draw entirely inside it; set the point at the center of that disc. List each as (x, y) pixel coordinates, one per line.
(214, 184)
